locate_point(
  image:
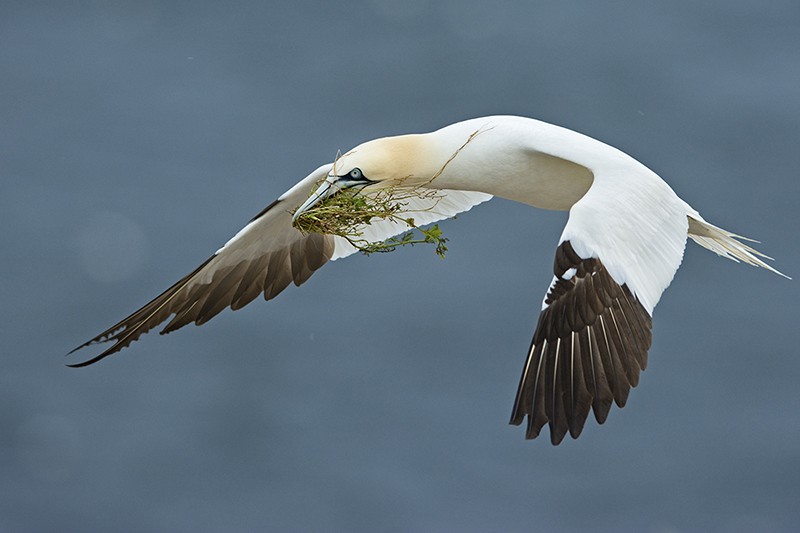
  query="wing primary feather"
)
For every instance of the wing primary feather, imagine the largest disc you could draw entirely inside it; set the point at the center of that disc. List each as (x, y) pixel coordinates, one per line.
(250, 287)
(136, 324)
(532, 400)
(620, 387)
(590, 345)
(538, 416)
(278, 275)
(600, 352)
(233, 276)
(526, 386)
(570, 401)
(183, 317)
(583, 398)
(558, 420)
(214, 297)
(641, 325)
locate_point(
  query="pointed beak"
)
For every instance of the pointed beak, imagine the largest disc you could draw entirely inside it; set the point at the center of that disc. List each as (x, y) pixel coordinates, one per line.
(327, 188)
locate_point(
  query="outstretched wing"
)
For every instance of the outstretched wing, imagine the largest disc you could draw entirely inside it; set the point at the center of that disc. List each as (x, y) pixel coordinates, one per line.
(589, 347)
(619, 251)
(263, 258)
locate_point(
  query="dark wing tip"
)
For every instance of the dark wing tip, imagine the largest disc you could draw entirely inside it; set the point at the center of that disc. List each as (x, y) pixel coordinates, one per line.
(588, 349)
(117, 346)
(72, 351)
(87, 362)
(139, 322)
(232, 284)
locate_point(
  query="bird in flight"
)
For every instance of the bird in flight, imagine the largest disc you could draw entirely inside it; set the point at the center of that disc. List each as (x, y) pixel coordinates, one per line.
(620, 249)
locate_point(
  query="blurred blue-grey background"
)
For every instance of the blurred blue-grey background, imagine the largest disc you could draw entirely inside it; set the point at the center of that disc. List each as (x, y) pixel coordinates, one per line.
(138, 136)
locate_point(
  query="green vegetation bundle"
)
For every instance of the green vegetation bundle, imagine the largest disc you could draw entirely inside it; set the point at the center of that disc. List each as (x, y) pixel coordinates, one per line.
(347, 212)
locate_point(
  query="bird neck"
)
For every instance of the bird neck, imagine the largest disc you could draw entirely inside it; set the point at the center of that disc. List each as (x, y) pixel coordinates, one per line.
(520, 159)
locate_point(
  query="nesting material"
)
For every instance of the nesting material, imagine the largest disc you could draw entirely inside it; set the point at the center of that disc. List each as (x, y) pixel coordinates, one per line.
(346, 213)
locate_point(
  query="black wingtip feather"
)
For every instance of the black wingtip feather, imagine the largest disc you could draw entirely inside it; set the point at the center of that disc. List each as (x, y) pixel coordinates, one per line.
(591, 341)
(96, 358)
(224, 284)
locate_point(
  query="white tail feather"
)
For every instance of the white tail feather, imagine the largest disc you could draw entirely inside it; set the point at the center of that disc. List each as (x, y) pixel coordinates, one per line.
(727, 244)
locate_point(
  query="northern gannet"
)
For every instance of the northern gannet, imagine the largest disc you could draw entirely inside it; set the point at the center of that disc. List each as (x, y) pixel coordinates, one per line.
(620, 249)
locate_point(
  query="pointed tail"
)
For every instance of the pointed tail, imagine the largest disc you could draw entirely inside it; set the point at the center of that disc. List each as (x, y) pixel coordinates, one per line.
(727, 244)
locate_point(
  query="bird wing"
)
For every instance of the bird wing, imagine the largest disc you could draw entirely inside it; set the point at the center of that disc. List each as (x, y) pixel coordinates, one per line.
(263, 258)
(620, 249)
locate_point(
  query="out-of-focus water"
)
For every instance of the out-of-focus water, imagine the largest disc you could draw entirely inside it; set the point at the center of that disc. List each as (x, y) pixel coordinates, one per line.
(136, 137)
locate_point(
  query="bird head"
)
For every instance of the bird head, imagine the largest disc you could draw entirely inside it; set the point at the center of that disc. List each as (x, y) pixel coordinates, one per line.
(402, 161)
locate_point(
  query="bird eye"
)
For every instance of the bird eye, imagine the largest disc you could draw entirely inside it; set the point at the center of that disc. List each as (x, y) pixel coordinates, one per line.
(356, 174)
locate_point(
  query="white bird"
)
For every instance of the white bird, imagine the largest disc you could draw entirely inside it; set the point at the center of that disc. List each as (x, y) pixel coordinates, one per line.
(620, 249)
